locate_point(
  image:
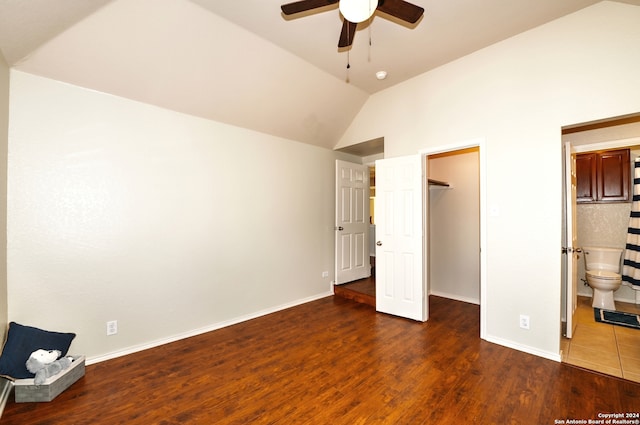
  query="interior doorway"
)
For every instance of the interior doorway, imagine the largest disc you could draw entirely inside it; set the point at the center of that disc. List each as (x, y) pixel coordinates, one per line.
(603, 224)
(456, 226)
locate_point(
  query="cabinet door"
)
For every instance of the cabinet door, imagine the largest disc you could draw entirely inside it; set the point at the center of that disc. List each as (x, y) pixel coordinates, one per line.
(603, 176)
(586, 189)
(613, 167)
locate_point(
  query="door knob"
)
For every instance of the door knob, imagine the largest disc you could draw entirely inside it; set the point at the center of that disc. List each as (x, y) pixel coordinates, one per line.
(379, 243)
(340, 228)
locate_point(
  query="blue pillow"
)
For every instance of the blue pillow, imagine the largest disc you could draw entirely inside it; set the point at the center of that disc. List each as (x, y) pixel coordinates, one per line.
(24, 340)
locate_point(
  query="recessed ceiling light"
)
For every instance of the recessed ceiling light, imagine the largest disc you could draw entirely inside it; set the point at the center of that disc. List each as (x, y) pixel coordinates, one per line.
(381, 75)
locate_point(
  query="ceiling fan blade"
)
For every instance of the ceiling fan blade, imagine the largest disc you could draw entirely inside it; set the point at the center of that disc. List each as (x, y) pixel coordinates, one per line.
(304, 5)
(401, 9)
(347, 33)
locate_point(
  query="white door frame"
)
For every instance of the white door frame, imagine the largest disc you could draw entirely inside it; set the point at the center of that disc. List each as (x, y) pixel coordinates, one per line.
(570, 249)
(480, 143)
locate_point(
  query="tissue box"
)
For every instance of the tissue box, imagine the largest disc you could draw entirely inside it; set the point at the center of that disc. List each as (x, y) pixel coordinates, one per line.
(27, 391)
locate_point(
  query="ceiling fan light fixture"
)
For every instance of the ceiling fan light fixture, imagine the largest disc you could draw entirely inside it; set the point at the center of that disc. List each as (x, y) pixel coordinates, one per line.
(357, 11)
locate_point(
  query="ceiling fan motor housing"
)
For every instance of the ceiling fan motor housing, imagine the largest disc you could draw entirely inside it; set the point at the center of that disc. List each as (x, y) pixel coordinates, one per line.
(358, 10)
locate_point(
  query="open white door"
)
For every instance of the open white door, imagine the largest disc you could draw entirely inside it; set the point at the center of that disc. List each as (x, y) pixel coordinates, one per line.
(400, 283)
(570, 251)
(352, 222)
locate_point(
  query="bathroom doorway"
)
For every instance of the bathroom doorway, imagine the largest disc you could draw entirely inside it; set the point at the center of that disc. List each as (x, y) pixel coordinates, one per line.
(603, 224)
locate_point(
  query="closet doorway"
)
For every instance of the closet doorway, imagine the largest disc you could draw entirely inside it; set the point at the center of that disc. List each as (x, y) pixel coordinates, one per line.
(454, 225)
(453, 255)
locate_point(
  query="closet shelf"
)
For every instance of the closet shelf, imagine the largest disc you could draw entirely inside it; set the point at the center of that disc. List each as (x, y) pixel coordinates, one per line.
(433, 182)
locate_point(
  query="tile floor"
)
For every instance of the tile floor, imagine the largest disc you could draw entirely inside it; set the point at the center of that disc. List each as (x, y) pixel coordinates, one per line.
(610, 349)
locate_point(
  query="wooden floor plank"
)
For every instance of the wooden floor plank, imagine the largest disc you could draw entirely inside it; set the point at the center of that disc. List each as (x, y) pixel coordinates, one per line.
(334, 361)
(362, 291)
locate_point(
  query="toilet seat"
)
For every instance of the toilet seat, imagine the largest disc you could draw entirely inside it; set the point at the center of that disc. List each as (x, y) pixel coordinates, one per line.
(603, 274)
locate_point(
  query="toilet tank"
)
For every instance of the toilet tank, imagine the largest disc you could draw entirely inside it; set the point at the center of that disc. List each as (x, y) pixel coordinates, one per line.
(600, 258)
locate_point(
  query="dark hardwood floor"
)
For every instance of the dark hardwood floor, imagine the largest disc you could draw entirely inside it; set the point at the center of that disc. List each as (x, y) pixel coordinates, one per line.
(335, 361)
(362, 291)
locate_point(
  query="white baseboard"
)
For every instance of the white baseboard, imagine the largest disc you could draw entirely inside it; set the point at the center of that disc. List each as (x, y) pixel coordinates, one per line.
(525, 348)
(240, 319)
(213, 327)
(455, 297)
(505, 343)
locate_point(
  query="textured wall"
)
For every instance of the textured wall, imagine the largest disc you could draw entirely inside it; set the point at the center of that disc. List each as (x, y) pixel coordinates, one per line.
(168, 223)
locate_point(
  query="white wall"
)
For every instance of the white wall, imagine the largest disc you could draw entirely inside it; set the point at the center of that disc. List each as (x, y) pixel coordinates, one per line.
(168, 223)
(4, 128)
(454, 226)
(517, 95)
(204, 66)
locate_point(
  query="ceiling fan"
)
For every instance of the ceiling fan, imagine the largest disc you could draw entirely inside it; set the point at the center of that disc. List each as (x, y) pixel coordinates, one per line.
(355, 11)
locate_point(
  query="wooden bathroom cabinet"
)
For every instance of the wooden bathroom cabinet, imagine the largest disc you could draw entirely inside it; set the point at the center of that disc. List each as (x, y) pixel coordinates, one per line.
(603, 176)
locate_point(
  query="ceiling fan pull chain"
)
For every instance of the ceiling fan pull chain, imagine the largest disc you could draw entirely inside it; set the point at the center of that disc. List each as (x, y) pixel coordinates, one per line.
(370, 37)
(348, 66)
(348, 56)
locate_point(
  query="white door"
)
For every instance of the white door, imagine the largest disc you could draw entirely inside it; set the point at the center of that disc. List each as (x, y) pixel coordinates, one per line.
(352, 222)
(570, 251)
(400, 283)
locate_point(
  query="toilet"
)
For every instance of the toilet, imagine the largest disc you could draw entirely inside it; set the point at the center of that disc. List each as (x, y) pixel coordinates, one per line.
(603, 274)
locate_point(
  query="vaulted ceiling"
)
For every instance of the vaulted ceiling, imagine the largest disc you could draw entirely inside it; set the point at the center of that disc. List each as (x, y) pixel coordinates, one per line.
(243, 62)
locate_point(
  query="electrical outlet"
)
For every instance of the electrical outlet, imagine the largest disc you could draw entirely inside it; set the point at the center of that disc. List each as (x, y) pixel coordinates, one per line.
(524, 321)
(325, 274)
(112, 327)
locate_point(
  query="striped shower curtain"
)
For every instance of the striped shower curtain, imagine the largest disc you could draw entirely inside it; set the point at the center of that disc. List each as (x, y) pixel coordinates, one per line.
(631, 265)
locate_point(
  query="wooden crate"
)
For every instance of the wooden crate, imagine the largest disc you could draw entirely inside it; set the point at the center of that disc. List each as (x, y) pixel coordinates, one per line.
(27, 391)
